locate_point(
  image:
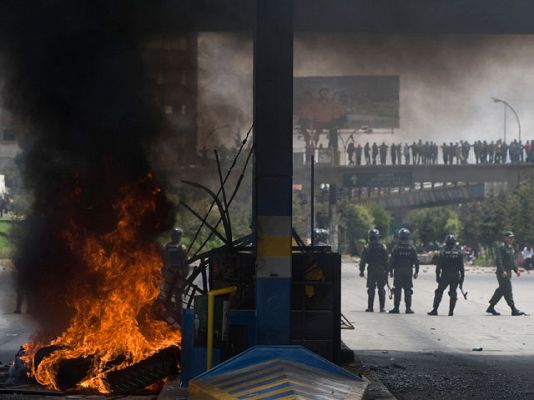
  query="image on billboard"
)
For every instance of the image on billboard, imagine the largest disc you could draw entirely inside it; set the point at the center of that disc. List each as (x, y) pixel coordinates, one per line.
(347, 102)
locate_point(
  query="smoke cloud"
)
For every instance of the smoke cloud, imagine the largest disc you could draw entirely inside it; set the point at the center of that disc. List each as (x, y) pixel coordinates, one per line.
(73, 73)
(446, 81)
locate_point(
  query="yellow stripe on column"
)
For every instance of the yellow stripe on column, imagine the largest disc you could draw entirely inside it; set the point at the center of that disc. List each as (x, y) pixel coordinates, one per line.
(274, 246)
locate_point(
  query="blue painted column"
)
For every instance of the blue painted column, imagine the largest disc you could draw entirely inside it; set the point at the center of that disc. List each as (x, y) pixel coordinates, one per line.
(273, 169)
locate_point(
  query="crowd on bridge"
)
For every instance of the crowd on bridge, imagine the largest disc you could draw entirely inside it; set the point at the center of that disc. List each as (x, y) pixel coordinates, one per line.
(428, 153)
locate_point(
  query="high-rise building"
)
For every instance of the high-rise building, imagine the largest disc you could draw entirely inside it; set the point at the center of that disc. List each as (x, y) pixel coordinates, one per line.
(172, 65)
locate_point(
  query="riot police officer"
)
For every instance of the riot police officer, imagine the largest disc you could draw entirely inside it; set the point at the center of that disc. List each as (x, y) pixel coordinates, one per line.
(505, 260)
(175, 272)
(376, 257)
(449, 272)
(402, 261)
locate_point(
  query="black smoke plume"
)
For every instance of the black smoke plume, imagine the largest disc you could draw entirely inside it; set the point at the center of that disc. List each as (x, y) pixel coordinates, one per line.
(74, 74)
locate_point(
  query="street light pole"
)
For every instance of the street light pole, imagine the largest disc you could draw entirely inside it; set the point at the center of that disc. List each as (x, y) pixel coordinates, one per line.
(507, 105)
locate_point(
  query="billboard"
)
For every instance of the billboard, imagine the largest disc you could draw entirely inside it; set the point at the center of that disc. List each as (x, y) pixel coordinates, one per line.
(324, 102)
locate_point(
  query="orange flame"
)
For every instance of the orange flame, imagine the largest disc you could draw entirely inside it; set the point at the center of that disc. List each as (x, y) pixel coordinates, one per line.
(112, 321)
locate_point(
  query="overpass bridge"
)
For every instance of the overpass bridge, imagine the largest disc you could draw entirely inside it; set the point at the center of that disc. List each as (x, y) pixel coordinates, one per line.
(426, 197)
(412, 176)
(394, 187)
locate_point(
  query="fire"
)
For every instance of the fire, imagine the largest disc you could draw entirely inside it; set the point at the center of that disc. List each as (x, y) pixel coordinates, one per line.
(113, 325)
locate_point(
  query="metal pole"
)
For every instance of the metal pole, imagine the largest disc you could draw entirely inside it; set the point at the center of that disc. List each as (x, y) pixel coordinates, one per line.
(505, 108)
(312, 200)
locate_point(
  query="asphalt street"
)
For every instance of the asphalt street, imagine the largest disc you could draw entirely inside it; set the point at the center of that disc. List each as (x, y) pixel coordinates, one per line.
(469, 356)
(416, 356)
(15, 329)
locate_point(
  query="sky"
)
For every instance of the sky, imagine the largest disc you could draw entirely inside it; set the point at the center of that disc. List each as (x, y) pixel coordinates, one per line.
(446, 81)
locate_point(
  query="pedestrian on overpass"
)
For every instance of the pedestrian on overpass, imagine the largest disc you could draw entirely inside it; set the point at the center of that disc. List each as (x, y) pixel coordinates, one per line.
(359, 154)
(367, 152)
(505, 260)
(449, 273)
(375, 256)
(403, 261)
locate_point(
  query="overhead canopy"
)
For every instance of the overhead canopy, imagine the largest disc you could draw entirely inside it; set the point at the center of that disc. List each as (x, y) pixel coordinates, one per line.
(377, 16)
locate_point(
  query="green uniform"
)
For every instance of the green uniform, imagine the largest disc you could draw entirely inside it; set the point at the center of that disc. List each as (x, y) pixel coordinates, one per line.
(403, 260)
(449, 273)
(505, 260)
(376, 257)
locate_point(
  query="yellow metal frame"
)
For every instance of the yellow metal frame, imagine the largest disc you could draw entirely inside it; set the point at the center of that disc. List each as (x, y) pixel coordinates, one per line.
(211, 311)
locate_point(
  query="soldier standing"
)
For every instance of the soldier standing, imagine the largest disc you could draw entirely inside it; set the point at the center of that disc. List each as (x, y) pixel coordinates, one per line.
(376, 257)
(449, 273)
(174, 273)
(505, 260)
(403, 260)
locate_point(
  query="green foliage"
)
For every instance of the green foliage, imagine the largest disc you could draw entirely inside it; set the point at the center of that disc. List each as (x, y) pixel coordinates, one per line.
(433, 224)
(6, 237)
(471, 216)
(357, 221)
(494, 218)
(382, 220)
(520, 208)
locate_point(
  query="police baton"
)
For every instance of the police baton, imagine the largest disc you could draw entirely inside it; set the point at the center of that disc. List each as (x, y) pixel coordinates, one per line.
(462, 290)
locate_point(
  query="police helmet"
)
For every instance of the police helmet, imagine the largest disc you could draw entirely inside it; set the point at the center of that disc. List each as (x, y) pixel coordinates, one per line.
(373, 235)
(450, 240)
(176, 234)
(404, 235)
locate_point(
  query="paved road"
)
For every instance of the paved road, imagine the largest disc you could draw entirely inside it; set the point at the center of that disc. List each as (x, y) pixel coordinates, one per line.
(423, 357)
(15, 329)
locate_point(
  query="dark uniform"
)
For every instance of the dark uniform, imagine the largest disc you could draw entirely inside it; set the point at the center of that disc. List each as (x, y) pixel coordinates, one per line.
(376, 257)
(449, 273)
(403, 259)
(174, 273)
(505, 260)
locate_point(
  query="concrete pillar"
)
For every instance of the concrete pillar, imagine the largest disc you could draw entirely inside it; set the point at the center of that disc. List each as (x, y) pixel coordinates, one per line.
(273, 169)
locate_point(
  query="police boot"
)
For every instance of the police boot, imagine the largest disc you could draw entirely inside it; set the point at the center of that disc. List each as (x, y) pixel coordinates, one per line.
(396, 302)
(516, 312)
(435, 305)
(370, 300)
(491, 310)
(382, 299)
(452, 304)
(408, 301)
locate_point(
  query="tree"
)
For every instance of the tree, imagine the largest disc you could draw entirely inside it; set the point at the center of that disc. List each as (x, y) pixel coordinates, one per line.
(520, 206)
(433, 224)
(494, 218)
(382, 220)
(357, 220)
(471, 218)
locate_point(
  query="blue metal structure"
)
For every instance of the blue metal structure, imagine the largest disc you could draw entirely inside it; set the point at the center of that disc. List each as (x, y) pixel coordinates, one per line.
(277, 372)
(273, 169)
